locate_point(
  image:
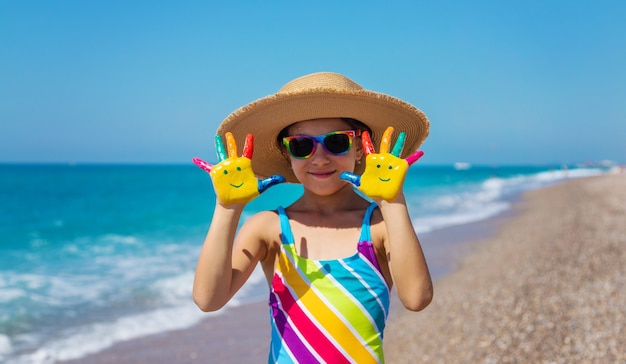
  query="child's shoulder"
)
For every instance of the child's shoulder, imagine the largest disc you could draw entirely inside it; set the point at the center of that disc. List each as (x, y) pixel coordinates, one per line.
(263, 226)
(264, 220)
(264, 216)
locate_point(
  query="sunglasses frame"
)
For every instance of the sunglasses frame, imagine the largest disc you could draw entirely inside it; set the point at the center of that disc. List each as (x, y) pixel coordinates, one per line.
(319, 139)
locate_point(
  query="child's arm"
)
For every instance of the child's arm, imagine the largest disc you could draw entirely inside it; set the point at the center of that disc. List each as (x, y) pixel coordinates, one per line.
(223, 265)
(212, 281)
(383, 180)
(222, 269)
(406, 260)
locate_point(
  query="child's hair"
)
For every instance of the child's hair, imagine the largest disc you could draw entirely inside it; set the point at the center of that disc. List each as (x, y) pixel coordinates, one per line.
(354, 125)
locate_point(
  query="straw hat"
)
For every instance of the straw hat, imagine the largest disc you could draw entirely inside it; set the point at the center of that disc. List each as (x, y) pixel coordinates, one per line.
(315, 96)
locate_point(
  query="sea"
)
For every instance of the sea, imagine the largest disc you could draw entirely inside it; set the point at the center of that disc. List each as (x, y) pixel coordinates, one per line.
(92, 255)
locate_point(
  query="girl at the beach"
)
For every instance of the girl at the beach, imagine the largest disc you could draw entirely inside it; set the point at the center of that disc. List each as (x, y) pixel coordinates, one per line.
(331, 257)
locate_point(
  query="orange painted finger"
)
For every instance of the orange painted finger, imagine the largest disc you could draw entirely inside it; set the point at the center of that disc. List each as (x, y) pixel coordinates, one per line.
(231, 145)
(386, 140)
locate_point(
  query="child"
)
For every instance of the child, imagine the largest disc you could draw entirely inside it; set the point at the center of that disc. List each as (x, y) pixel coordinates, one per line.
(331, 257)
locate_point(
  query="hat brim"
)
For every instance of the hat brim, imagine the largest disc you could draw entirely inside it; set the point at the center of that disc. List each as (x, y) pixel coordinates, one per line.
(266, 117)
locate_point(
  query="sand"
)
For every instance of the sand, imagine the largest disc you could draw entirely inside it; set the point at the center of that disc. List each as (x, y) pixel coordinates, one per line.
(550, 287)
(544, 284)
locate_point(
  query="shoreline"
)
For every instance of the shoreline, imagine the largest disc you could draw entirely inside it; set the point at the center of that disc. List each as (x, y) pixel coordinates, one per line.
(443, 248)
(241, 334)
(549, 287)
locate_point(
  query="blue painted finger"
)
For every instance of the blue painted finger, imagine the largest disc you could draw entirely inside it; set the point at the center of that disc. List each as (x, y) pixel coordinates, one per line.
(351, 177)
(268, 182)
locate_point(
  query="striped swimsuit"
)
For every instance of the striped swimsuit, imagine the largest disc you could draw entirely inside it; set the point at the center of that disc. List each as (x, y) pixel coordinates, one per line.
(328, 311)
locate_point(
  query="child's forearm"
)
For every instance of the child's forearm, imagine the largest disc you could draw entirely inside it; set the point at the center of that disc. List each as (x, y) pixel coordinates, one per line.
(407, 262)
(213, 278)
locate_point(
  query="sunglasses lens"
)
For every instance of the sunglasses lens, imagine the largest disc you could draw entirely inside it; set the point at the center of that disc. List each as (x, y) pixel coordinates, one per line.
(301, 147)
(337, 143)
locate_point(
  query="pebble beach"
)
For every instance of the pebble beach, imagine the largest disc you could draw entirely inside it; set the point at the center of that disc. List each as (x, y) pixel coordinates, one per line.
(547, 286)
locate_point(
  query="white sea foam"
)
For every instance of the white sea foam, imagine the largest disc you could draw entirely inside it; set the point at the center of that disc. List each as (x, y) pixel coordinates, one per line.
(78, 342)
(49, 289)
(175, 289)
(123, 239)
(119, 265)
(180, 312)
(5, 345)
(486, 200)
(537, 180)
(10, 294)
(430, 223)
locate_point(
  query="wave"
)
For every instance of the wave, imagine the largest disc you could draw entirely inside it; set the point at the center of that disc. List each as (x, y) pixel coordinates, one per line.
(476, 202)
(177, 312)
(78, 342)
(100, 290)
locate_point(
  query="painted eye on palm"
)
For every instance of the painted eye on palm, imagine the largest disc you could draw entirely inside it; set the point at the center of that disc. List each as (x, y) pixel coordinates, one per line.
(384, 172)
(233, 178)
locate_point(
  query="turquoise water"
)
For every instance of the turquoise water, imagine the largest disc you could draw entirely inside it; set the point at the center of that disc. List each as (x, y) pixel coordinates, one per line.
(91, 255)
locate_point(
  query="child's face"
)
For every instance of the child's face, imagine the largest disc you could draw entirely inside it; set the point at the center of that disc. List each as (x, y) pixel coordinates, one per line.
(320, 172)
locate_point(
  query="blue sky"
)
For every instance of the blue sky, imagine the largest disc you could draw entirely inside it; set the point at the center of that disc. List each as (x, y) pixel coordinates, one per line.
(502, 82)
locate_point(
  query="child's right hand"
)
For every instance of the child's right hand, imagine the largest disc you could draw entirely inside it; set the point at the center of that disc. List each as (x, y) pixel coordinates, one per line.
(384, 173)
(233, 178)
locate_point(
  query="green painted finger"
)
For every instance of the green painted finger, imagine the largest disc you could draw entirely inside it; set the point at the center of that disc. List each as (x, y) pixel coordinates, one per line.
(219, 148)
(397, 148)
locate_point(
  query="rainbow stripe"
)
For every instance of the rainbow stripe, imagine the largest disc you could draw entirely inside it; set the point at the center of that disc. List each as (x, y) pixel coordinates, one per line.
(331, 311)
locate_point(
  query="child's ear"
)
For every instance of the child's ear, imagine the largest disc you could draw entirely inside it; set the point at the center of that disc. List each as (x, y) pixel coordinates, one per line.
(358, 149)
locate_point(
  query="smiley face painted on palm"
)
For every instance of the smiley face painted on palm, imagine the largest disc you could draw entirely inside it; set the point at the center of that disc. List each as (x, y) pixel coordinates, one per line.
(384, 172)
(234, 180)
(384, 175)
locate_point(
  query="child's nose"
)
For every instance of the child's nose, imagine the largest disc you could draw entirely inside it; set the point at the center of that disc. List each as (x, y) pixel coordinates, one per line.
(320, 155)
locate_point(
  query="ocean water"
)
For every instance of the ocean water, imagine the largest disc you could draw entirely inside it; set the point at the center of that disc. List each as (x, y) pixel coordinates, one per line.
(91, 255)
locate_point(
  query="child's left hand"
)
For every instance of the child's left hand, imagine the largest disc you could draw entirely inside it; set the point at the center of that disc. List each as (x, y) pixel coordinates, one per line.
(384, 173)
(233, 178)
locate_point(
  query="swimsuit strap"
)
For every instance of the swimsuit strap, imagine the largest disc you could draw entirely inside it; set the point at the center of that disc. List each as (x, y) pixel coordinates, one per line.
(286, 235)
(365, 226)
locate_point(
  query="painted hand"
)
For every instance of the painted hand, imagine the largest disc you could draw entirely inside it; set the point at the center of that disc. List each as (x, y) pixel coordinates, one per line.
(233, 178)
(384, 172)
